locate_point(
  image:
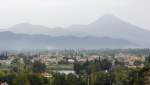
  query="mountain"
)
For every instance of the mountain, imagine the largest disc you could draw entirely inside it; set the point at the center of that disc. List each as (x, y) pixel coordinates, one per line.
(106, 26)
(15, 41)
(27, 28)
(112, 26)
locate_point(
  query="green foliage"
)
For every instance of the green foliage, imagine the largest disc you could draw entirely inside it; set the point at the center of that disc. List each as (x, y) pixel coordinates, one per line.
(36, 79)
(92, 66)
(101, 78)
(59, 79)
(136, 76)
(20, 79)
(38, 67)
(17, 65)
(2, 74)
(147, 62)
(120, 76)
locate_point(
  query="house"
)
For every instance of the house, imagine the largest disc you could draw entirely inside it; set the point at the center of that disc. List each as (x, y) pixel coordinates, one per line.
(130, 60)
(71, 61)
(3, 83)
(47, 75)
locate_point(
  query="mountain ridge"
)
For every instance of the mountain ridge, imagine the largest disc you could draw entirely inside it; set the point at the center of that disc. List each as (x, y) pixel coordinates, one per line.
(10, 40)
(106, 26)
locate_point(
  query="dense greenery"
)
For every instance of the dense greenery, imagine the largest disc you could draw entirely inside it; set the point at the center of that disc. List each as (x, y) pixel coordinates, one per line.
(101, 72)
(92, 66)
(120, 76)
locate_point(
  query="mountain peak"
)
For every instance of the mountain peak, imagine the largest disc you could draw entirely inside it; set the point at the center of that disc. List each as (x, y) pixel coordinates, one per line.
(108, 18)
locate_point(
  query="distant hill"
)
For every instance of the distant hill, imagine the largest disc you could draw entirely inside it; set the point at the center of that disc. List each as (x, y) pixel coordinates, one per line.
(107, 31)
(27, 28)
(112, 26)
(15, 41)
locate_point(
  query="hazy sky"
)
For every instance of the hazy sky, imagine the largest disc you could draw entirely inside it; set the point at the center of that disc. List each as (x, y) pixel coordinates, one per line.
(55, 13)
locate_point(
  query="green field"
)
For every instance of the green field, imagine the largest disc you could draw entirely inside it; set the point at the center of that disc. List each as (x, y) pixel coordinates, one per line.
(60, 67)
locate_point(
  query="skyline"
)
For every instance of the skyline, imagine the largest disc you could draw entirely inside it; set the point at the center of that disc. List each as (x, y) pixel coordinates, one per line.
(64, 13)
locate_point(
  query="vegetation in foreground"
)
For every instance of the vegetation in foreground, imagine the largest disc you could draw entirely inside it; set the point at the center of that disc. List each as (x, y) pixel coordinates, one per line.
(98, 72)
(95, 72)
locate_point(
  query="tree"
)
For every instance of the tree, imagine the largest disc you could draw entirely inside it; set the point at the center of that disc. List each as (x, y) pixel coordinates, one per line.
(120, 76)
(147, 62)
(136, 76)
(20, 79)
(72, 80)
(16, 65)
(36, 79)
(59, 79)
(2, 75)
(100, 78)
(105, 64)
(77, 67)
(38, 67)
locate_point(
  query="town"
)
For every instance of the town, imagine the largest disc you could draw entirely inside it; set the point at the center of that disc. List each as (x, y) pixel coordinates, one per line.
(48, 63)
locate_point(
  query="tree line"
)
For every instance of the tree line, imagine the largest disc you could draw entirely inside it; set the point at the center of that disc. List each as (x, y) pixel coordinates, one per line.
(97, 72)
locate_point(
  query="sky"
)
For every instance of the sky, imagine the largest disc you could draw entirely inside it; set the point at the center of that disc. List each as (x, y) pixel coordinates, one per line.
(63, 13)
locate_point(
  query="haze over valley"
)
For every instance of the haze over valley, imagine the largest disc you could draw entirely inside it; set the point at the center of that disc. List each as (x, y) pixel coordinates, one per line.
(106, 32)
